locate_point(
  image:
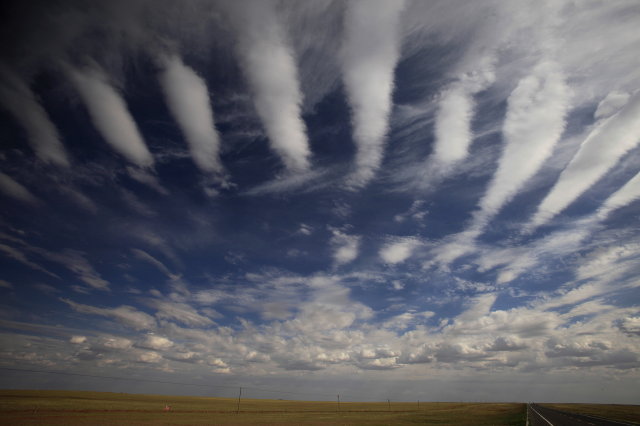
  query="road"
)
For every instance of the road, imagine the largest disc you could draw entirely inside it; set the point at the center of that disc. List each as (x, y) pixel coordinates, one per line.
(542, 416)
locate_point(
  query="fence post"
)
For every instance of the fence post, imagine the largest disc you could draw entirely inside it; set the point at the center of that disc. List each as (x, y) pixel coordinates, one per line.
(338, 403)
(389, 401)
(239, 395)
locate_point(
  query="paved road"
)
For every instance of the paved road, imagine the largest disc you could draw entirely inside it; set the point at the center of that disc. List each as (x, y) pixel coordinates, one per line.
(543, 416)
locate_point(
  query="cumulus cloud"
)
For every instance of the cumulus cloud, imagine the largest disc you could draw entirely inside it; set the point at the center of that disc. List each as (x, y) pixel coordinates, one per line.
(15, 190)
(156, 342)
(398, 251)
(188, 100)
(110, 115)
(604, 146)
(345, 247)
(268, 63)
(78, 340)
(17, 98)
(370, 52)
(124, 314)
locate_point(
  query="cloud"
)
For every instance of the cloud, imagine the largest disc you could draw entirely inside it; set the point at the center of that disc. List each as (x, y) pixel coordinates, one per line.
(76, 262)
(453, 126)
(534, 122)
(188, 100)
(456, 110)
(156, 342)
(18, 255)
(143, 255)
(345, 247)
(110, 115)
(13, 189)
(398, 251)
(17, 98)
(629, 192)
(145, 177)
(268, 63)
(77, 340)
(124, 314)
(370, 52)
(599, 152)
(180, 312)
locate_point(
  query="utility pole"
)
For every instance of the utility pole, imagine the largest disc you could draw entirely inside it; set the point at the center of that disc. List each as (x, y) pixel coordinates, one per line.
(239, 395)
(338, 402)
(389, 401)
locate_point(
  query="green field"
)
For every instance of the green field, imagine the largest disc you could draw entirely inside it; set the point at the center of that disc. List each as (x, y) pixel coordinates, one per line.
(625, 413)
(102, 408)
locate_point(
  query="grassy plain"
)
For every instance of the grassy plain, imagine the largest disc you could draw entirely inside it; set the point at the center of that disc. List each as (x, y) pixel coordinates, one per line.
(102, 408)
(625, 413)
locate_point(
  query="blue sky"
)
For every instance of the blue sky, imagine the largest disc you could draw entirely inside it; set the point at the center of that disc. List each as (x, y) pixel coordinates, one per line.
(429, 200)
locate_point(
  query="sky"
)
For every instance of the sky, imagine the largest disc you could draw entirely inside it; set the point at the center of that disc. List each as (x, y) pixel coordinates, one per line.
(382, 199)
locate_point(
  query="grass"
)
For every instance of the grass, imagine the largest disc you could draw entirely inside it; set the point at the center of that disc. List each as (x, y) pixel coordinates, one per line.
(102, 408)
(625, 413)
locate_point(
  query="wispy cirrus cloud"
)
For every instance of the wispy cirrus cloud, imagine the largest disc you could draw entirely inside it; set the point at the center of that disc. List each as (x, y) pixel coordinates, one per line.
(628, 193)
(268, 63)
(16, 190)
(17, 98)
(456, 109)
(188, 100)
(124, 314)
(110, 115)
(369, 56)
(604, 146)
(533, 125)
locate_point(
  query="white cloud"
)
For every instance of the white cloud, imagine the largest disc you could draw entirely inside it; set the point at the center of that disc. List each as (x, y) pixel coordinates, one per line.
(345, 247)
(78, 340)
(145, 177)
(534, 122)
(453, 125)
(398, 251)
(127, 315)
(20, 256)
(370, 52)
(79, 265)
(143, 255)
(110, 115)
(180, 312)
(149, 357)
(188, 101)
(156, 342)
(17, 98)
(268, 62)
(606, 144)
(13, 189)
(455, 112)
(629, 192)
(610, 105)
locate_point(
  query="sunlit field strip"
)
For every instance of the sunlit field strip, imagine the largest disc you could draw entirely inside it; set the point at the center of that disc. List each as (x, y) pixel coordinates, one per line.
(69, 407)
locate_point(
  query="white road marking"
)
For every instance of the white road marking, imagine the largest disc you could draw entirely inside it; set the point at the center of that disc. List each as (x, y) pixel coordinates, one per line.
(534, 410)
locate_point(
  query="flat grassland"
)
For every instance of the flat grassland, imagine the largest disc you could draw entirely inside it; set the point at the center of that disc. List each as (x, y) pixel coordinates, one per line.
(20, 407)
(624, 413)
